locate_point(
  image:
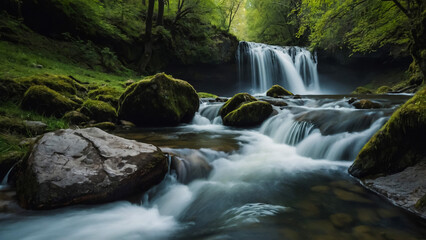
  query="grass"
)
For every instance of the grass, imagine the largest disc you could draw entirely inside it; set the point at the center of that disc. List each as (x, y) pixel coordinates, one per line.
(12, 110)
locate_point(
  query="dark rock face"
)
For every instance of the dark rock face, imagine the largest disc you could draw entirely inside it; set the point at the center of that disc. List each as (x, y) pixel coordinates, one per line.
(159, 100)
(87, 166)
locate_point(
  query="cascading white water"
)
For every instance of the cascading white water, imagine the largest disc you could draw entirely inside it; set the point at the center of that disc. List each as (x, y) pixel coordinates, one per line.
(260, 66)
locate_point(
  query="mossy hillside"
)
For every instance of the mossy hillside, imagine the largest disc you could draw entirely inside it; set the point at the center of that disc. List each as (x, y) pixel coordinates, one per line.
(11, 90)
(159, 100)
(105, 90)
(236, 101)
(277, 90)
(46, 101)
(206, 95)
(398, 144)
(60, 83)
(99, 111)
(384, 90)
(248, 114)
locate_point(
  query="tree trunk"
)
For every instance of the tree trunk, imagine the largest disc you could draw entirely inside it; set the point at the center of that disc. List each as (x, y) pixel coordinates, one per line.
(160, 12)
(148, 37)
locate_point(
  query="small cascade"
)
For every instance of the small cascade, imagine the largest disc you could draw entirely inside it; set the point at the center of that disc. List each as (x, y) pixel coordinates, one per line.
(4, 183)
(260, 66)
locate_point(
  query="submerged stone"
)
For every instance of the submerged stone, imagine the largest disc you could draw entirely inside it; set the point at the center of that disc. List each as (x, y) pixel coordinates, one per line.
(87, 166)
(366, 104)
(159, 100)
(341, 220)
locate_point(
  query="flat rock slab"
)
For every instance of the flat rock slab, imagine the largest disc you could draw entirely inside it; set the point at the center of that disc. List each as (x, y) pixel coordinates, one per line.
(403, 189)
(87, 166)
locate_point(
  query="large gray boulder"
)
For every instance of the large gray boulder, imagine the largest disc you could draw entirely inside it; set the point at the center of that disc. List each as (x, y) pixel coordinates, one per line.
(87, 166)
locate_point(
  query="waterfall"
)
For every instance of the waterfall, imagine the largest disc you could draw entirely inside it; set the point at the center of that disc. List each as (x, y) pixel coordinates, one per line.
(260, 66)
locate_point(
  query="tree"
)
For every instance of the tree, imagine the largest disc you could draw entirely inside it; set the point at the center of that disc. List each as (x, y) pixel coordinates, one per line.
(148, 36)
(160, 12)
(231, 8)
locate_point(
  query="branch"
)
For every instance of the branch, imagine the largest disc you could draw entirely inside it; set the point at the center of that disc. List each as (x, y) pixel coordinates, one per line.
(399, 5)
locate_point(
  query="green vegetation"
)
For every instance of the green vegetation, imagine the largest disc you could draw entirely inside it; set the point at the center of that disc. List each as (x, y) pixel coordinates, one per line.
(277, 90)
(398, 144)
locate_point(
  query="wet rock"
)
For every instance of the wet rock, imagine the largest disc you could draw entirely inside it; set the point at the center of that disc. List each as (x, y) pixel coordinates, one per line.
(160, 100)
(276, 102)
(190, 168)
(366, 104)
(221, 99)
(397, 145)
(277, 91)
(362, 90)
(99, 111)
(308, 208)
(352, 100)
(297, 96)
(405, 189)
(341, 220)
(87, 166)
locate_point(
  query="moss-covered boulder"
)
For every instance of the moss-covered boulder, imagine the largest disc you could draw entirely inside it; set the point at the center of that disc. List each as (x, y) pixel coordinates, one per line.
(206, 95)
(46, 101)
(235, 102)
(108, 99)
(12, 125)
(398, 144)
(277, 90)
(11, 90)
(104, 90)
(98, 111)
(159, 100)
(248, 114)
(76, 117)
(362, 90)
(63, 84)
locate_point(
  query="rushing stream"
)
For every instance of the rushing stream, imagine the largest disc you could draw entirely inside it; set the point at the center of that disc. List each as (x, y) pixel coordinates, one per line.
(286, 179)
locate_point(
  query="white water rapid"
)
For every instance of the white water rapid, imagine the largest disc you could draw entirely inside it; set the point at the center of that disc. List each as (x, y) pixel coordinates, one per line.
(260, 66)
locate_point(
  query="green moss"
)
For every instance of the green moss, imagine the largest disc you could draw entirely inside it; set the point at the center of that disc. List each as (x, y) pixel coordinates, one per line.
(159, 100)
(206, 95)
(76, 117)
(10, 152)
(46, 101)
(248, 114)
(108, 99)
(235, 102)
(105, 91)
(98, 111)
(362, 90)
(11, 90)
(277, 90)
(398, 144)
(421, 203)
(59, 83)
(383, 90)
